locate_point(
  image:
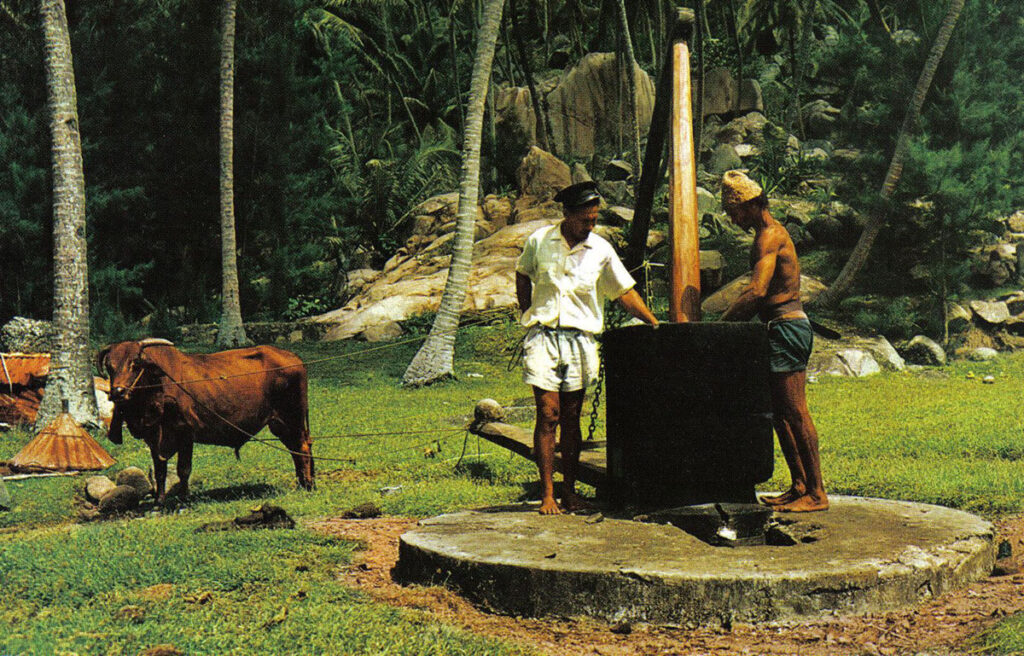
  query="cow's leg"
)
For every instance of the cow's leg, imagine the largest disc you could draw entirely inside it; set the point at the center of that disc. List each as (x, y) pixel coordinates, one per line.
(184, 467)
(160, 473)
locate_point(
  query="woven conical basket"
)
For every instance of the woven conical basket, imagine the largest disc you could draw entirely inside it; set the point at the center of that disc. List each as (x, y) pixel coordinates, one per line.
(63, 445)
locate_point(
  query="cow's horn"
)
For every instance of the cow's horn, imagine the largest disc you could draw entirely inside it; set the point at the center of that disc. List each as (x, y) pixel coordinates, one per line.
(155, 341)
(101, 358)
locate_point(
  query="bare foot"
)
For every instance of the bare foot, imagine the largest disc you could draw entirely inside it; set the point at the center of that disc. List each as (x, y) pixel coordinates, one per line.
(549, 507)
(573, 503)
(806, 503)
(789, 496)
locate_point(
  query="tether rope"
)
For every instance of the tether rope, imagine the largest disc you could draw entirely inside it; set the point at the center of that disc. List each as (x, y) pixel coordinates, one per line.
(340, 356)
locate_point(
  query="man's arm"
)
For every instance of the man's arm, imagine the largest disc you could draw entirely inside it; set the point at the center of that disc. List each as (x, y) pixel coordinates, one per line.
(635, 305)
(524, 291)
(766, 248)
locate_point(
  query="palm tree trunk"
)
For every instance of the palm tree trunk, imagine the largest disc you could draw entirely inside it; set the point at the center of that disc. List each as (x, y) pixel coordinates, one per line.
(629, 63)
(702, 32)
(231, 332)
(540, 120)
(876, 220)
(436, 358)
(70, 378)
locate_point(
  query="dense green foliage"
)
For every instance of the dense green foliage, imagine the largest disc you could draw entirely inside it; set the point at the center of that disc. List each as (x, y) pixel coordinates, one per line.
(349, 112)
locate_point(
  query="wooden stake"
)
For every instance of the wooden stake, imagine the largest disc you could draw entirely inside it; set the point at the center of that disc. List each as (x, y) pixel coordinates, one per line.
(684, 270)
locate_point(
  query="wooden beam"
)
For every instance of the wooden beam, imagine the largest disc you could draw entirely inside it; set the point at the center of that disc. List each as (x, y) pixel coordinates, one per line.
(684, 269)
(593, 469)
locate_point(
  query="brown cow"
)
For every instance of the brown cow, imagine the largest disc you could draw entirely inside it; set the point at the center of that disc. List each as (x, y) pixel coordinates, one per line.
(172, 400)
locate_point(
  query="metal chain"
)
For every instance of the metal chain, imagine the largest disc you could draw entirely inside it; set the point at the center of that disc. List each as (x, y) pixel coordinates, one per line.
(596, 403)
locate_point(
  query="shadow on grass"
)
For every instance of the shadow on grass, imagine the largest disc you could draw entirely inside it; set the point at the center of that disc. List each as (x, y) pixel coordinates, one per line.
(236, 492)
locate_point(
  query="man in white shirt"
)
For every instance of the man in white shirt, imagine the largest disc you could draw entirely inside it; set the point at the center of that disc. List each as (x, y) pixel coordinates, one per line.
(562, 280)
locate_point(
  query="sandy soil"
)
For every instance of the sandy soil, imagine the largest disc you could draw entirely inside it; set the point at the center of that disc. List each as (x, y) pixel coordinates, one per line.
(942, 626)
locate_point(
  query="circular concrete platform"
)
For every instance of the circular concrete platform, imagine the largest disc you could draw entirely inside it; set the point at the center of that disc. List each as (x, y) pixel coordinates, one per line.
(863, 555)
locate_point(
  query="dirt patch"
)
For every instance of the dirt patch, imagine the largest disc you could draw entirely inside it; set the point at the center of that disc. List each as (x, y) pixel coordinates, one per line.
(942, 625)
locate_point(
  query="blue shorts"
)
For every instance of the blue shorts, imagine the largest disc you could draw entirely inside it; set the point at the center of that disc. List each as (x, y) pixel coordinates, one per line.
(789, 345)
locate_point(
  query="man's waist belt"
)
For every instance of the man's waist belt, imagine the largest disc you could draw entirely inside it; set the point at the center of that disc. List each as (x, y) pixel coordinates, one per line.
(563, 329)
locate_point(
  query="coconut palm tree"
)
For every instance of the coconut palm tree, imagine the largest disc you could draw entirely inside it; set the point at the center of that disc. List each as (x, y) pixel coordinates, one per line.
(876, 220)
(231, 332)
(435, 359)
(627, 61)
(70, 379)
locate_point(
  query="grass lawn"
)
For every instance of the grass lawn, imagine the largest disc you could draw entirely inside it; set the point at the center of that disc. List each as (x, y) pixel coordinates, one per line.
(121, 586)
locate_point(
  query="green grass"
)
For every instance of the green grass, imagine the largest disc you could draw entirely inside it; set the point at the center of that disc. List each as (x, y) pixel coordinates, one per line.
(1007, 637)
(948, 440)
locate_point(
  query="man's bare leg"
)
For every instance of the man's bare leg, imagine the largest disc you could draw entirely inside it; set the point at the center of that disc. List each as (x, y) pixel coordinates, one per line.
(787, 442)
(798, 416)
(548, 412)
(571, 405)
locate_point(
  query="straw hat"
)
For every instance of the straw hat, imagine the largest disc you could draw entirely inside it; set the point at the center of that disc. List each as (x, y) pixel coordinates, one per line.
(738, 188)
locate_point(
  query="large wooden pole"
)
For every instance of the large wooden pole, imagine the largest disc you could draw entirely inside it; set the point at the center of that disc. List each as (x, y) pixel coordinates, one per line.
(684, 271)
(652, 171)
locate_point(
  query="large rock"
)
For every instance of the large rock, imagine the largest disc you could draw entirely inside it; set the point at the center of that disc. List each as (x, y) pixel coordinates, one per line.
(1014, 302)
(991, 312)
(995, 265)
(724, 297)
(587, 111)
(958, 318)
(724, 158)
(924, 351)
(851, 362)
(541, 175)
(96, 487)
(415, 285)
(384, 332)
(982, 354)
(746, 129)
(135, 478)
(819, 117)
(515, 124)
(712, 269)
(498, 211)
(24, 335)
(722, 95)
(881, 350)
(707, 202)
(120, 499)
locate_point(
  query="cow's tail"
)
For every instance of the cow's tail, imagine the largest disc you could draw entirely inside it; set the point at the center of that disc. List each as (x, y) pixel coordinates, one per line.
(238, 453)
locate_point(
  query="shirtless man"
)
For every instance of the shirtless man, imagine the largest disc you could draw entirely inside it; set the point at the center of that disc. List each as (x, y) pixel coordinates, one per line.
(562, 280)
(774, 295)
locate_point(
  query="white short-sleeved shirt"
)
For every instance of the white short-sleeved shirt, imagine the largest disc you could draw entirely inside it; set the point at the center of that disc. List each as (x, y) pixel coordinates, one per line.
(571, 284)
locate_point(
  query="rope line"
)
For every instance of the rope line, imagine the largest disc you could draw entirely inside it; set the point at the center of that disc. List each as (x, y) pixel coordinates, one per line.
(352, 460)
(341, 356)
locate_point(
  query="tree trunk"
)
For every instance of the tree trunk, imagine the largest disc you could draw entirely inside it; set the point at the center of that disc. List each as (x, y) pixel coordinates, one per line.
(876, 220)
(700, 34)
(629, 63)
(231, 332)
(436, 358)
(734, 20)
(540, 120)
(70, 378)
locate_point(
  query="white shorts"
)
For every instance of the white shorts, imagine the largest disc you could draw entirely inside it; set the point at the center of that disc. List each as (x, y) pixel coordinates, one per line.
(560, 360)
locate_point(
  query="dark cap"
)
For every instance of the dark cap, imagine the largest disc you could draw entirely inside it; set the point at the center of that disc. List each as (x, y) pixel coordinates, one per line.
(579, 194)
